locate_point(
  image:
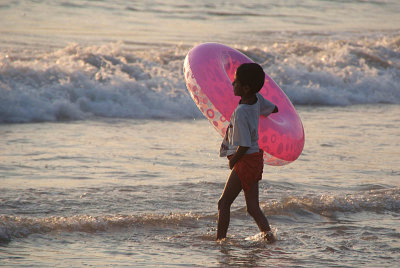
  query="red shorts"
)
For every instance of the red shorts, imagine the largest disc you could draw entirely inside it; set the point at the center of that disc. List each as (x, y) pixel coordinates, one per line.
(249, 169)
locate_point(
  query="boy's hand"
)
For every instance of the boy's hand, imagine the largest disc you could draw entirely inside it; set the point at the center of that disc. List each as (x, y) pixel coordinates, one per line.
(241, 150)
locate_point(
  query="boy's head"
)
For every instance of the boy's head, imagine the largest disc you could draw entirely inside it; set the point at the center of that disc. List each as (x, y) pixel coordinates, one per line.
(251, 75)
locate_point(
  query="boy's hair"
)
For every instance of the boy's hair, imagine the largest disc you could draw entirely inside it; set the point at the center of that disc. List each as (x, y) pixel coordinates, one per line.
(252, 75)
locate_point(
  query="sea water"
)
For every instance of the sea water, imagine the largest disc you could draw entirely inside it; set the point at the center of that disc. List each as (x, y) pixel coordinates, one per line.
(106, 161)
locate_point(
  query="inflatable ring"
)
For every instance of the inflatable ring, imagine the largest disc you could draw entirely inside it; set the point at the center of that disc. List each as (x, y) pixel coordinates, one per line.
(209, 70)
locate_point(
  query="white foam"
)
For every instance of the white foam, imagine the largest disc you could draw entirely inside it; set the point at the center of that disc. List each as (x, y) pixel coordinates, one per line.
(260, 237)
(326, 204)
(16, 226)
(336, 71)
(383, 200)
(80, 82)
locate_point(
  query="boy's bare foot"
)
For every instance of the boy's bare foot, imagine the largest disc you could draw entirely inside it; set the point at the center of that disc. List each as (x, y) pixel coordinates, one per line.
(269, 236)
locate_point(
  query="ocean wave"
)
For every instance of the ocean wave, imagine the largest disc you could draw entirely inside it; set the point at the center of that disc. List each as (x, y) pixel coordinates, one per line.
(80, 82)
(335, 70)
(377, 201)
(77, 83)
(17, 226)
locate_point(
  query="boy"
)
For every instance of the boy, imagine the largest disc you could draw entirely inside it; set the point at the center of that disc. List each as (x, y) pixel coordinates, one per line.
(240, 145)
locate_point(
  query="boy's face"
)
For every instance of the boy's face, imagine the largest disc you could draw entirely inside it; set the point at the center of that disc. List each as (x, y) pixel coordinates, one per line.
(238, 88)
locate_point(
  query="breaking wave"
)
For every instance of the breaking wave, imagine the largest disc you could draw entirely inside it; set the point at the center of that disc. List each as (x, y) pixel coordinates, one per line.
(378, 201)
(81, 82)
(16, 226)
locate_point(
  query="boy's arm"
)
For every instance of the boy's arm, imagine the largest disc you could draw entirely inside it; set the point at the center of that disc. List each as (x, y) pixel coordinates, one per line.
(241, 150)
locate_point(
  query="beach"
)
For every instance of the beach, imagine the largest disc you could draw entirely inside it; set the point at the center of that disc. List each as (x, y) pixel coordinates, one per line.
(105, 159)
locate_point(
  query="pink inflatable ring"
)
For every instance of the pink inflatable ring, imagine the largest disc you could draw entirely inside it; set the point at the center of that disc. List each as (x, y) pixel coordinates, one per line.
(209, 70)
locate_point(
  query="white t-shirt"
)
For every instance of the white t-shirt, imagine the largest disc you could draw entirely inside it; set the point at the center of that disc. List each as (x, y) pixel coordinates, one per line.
(243, 126)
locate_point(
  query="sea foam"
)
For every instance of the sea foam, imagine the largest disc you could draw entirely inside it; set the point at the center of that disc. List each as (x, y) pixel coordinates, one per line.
(381, 201)
(81, 82)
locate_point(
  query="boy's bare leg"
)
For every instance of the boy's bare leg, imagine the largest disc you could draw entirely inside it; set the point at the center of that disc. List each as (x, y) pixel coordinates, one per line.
(232, 189)
(253, 208)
